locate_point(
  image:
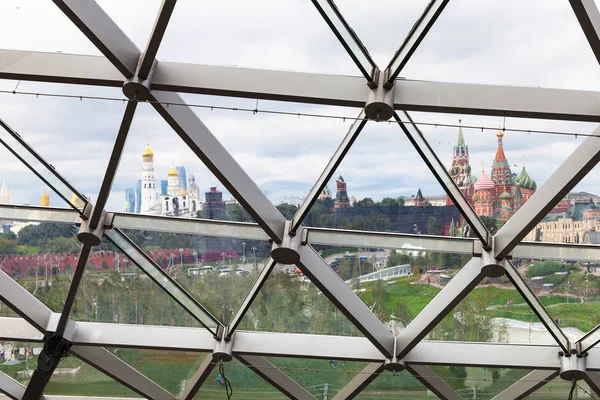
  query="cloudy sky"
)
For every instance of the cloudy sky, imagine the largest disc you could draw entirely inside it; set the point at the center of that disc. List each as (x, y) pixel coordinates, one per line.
(505, 42)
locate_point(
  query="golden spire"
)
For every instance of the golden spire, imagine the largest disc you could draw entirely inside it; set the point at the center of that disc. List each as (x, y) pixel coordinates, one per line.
(45, 199)
(147, 153)
(173, 171)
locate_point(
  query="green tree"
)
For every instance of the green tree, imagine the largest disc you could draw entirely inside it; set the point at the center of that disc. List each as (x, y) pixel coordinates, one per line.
(380, 298)
(287, 210)
(433, 226)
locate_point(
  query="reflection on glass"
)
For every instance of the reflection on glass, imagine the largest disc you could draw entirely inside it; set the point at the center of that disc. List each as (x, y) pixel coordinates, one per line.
(14, 143)
(217, 272)
(19, 360)
(74, 377)
(170, 369)
(162, 278)
(400, 385)
(41, 258)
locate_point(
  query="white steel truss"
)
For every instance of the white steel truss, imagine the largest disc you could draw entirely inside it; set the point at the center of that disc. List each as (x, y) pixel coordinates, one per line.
(378, 95)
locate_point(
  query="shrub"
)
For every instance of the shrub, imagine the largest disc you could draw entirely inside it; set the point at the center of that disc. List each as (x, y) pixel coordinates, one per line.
(556, 279)
(544, 268)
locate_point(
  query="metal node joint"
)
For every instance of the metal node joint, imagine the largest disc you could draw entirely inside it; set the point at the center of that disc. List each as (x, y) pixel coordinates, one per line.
(139, 89)
(55, 349)
(573, 364)
(490, 266)
(223, 350)
(288, 251)
(93, 236)
(380, 104)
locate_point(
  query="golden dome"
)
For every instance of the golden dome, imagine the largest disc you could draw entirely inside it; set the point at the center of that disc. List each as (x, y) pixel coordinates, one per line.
(147, 153)
(76, 201)
(499, 133)
(45, 200)
(182, 191)
(173, 172)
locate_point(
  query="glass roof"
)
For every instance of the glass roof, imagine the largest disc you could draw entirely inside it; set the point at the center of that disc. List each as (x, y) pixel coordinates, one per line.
(285, 199)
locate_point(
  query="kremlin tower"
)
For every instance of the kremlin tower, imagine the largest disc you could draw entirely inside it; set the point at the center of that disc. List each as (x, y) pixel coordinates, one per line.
(148, 201)
(341, 196)
(45, 199)
(501, 174)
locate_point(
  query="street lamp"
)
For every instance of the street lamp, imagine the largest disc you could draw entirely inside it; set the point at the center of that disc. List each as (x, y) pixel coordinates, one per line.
(181, 258)
(223, 255)
(254, 254)
(243, 252)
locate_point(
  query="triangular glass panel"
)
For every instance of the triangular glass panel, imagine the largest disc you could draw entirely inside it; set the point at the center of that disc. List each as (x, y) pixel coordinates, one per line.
(394, 25)
(245, 383)
(23, 29)
(322, 378)
(41, 257)
(511, 52)
(289, 302)
(479, 383)
(249, 41)
(276, 145)
(558, 388)
(18, 360)
(74, 377)
(115, 290)
(493, 312)
(397, 385)
(172, 370)
(217, 271)
(72, 127)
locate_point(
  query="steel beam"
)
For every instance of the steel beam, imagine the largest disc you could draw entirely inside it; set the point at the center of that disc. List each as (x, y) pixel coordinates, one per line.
(414, 39)
(593, 381)
(111, 365)
(113, 164)
(527, 385)
(159, 276)
(557, 251)
(249, 299)
(203, 227)
(453, 293)
(403, 241)
(199, 377)
(13, 389)
(536, 306)
(270, 373)
(561, 182)
(38, 214)
(329, 170)
(441, 174)
(363, 379)
(589, 18)
(17, 329)
(356, 50)
(433, 382)
(158, 31)
(101, 30)
(336, 290)
(218, 160)
(24, 303)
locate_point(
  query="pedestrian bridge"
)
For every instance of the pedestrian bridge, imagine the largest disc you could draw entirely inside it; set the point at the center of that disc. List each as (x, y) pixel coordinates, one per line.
(385, 274)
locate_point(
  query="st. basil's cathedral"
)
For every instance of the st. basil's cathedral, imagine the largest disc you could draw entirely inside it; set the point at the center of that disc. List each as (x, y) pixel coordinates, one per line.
(497, 198)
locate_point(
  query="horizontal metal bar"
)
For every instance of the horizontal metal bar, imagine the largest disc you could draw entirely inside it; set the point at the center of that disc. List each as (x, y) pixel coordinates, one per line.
(269, 372)
(17, 329)
(203, 227)
(527, 385)
(341, 237)
(38, 214)
(557, 251)
(101, 30)
(119, 370)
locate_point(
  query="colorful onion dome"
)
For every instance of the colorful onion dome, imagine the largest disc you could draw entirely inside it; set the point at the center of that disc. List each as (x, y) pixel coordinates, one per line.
(505, 196)
(173, 172)
(483, 182)
(524, 180)
(499, 133)
(147, 153)
(182, 191)
(476, 197)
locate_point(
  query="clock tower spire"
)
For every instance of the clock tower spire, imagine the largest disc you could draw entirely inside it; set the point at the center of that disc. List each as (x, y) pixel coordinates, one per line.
(460, 171)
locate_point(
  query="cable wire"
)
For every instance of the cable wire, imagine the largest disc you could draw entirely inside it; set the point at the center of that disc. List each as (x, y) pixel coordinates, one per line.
(228, 387)
(256, 110)
(573, 386)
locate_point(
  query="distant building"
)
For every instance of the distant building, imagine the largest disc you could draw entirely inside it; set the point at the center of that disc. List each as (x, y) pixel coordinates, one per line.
(582, 197)
(214, 206)
(193, 189)
(325, 194)
(163, 186)
(568, 227)
(45, 200)
(436, 201)
(341, 196)
(5, 194)
(129, 200)
(182, 177)
(138, 196)
(419, 199)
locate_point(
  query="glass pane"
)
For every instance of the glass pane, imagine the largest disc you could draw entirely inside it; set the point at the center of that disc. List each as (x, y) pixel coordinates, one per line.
(74, 377)
(41, 257)
(450, 52)
(18, 360)
(394, 24)
(248, 40)
(170, 369)
(559, 389)
(399, 385)
(218, 272)
(479, 383)
(289, 302)
(26, 28)
(146, 13)
(115, 290)
(322, 378)
(245, 383)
